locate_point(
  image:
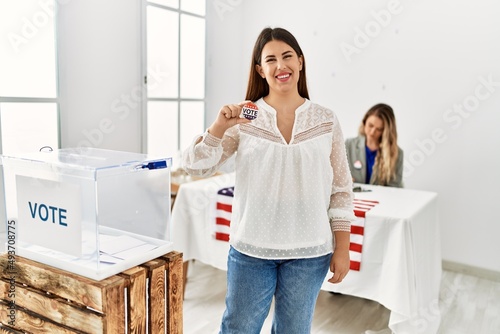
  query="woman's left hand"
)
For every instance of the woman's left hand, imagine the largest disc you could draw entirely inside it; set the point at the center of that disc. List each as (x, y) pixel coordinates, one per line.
(339, 265)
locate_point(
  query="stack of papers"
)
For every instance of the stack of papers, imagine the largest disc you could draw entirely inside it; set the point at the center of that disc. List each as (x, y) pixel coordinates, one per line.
(114, 249)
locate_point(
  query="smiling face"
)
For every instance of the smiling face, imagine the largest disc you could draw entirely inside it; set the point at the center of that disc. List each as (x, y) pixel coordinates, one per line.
(280, 66)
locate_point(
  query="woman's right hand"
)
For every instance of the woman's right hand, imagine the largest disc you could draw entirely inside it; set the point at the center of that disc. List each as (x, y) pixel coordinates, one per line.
(228, 116)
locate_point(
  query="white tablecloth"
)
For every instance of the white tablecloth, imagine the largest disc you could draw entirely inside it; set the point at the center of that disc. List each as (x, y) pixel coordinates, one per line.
(401, 258)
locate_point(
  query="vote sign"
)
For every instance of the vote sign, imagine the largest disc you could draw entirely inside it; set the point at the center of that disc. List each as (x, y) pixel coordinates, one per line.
(50, 214)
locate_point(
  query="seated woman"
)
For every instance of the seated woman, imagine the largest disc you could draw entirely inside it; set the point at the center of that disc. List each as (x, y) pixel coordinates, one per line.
(374, 156)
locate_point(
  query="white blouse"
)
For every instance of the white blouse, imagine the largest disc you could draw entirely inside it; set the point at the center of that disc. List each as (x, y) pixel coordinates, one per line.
(288, 197)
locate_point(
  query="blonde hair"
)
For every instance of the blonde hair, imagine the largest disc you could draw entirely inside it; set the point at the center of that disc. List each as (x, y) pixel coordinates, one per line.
(384, 168)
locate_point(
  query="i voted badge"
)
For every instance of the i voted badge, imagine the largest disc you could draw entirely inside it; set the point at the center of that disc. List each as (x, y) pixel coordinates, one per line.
(358, 164)
(250, 111)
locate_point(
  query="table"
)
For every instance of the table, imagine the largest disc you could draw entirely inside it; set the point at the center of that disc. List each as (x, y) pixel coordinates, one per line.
(401, 258)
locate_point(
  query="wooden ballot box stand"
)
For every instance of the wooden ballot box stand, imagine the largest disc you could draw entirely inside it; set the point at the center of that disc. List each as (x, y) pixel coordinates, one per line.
(37, 298)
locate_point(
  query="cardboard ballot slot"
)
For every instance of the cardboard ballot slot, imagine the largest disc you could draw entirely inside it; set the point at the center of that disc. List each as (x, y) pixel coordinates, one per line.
(93, 212)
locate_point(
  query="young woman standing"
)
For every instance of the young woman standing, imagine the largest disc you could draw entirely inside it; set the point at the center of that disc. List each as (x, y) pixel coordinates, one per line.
(292, 205)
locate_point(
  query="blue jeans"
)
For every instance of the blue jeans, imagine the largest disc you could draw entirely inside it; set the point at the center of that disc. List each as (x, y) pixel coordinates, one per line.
(252, 283)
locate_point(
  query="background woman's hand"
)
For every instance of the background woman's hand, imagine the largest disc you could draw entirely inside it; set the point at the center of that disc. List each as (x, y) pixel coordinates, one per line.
(228, 116)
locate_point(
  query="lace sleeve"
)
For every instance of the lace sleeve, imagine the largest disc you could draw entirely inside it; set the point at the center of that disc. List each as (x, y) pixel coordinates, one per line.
(207, 153)
(341, 208)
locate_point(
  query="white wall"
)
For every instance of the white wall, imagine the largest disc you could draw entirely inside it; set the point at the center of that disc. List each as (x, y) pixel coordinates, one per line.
(100, 74)
(226, 65)
(428, 59)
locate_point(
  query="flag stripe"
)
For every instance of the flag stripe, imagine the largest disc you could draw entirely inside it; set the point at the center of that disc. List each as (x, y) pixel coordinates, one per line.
(224, 207)
(222, 229)
(355, 247)
(357, 229)
(222, 236)
(357, 200)
(359, 213)
(355, 265)
(222, 221)
(355, 256)
(357, 238)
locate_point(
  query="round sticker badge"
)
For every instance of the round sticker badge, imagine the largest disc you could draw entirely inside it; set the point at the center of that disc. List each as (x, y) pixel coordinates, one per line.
(250, 111)
(357, 164)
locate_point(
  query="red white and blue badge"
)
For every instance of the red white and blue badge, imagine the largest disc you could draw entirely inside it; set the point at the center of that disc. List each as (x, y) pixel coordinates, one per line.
(250, 111)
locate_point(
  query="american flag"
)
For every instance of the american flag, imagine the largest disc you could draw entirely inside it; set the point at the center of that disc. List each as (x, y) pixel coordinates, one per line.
(223, 214)
(361, 207)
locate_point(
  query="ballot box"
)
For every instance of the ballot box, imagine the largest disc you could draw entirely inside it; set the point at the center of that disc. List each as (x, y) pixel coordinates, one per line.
(89, 211)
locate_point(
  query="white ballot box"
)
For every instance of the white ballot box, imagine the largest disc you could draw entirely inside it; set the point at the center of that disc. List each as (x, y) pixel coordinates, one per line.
(93, 212)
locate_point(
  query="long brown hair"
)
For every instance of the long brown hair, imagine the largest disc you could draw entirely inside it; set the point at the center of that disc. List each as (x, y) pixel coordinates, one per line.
(387, 156)
(258, 86)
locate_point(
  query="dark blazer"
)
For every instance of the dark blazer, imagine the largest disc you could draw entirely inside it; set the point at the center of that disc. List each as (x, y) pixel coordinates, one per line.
(356, 155)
